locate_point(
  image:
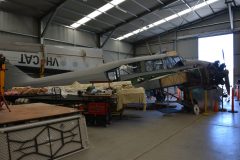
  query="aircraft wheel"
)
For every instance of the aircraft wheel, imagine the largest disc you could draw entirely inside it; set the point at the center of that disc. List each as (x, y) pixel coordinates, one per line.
(196, 109)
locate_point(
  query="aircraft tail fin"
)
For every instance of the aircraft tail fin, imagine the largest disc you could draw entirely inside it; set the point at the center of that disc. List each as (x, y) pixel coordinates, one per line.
(15, 77)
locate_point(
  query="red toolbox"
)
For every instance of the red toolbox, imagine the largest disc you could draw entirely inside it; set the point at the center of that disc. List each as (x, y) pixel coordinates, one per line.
(98, 108)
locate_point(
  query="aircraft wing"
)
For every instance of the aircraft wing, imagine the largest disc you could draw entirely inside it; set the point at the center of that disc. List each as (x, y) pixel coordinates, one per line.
(169, 80)
(195, 77)
(173, 79)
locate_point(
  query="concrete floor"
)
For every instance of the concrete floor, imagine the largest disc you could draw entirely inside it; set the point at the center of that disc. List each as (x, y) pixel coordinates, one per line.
(152, 136)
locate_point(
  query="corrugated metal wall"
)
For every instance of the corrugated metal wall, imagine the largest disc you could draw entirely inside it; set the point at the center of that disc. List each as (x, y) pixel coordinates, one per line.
(16, 28)
(188, 48)
(115, 50)
(236, 56)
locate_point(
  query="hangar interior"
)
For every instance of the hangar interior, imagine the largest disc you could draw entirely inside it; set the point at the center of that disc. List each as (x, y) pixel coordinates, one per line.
(54, 37)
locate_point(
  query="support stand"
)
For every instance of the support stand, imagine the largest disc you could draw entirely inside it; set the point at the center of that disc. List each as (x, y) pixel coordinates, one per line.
(232, 110)
(205, 103)
(3, 102)
(2, 80)
(222, 109)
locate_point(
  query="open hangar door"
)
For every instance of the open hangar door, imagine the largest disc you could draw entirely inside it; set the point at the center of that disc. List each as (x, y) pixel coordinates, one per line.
(217, 48)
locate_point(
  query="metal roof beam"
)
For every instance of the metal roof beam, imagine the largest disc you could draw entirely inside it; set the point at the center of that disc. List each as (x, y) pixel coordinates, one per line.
(114, 17)
(184, 19)
(184, 26)
(174, 12)
(139, 4)
(186, 3)
(80, 14)
(71, 21)
(234, 3)
(139, 15)
(128, 12)
(52, 13)
(229, 5)
(105, 41)
(210, 7)
(137, 26)
(25, 6)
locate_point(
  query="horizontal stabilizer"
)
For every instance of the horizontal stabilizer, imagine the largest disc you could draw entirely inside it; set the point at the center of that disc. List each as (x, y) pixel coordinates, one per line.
(14, 76)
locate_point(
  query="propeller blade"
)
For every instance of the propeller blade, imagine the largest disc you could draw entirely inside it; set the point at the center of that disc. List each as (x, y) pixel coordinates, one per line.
(227, 83)
(223, 55)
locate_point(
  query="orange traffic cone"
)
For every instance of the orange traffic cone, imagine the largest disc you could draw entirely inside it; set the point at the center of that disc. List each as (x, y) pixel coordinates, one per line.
(232, 110)
(178, 94)
(237, 94)
(215, 107)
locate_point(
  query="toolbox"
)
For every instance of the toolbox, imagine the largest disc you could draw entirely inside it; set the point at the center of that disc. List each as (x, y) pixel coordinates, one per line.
(98, 113)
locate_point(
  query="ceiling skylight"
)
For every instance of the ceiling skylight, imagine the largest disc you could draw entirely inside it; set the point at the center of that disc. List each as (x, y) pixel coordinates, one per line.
(96, 13)
(169, 18)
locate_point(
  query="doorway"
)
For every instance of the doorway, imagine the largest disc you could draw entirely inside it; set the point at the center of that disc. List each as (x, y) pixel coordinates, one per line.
(217, 48)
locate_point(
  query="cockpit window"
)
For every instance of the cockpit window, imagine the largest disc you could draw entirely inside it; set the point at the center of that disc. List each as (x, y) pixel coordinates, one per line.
(171, 62)
(149, 66)
(174, 61)
(158, 64)
(181, 58)
(168, 62)
(130, 68)
(165, 63)
(178, 61)
(113, 75)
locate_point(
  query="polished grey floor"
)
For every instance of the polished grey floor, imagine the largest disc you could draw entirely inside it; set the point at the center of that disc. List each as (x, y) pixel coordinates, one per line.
(152, 136)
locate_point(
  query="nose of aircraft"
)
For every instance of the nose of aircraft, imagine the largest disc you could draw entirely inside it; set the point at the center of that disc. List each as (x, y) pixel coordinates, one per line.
(227, 83)
(220, 75)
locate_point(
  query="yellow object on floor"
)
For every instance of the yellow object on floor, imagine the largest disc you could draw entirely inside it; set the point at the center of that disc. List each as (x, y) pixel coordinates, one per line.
(131, 95)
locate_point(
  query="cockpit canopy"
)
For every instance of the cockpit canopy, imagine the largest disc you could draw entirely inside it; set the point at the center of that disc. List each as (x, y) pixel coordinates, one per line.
(154, 65)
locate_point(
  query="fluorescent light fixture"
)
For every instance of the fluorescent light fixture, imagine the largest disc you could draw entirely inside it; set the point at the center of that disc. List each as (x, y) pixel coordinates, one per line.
(159, 22)
(80, 22)
(75, 25)
(106, 7)
(83, 20)
(169, 18)
(136, 31)
(199, 6)
(128, 35)
(120, 38)
(96, 13)
(186, 11)
(151, 25)
(116, 2)
(211, 1)
(203, 4)
(144, 28)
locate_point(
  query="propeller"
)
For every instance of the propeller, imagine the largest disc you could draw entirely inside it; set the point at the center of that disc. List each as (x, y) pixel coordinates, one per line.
(226, 77)
(223, 55)
(227, 83)
(219, 75)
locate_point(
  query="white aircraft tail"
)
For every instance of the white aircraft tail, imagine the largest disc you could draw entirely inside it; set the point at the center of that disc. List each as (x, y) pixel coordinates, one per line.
(14, 76)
